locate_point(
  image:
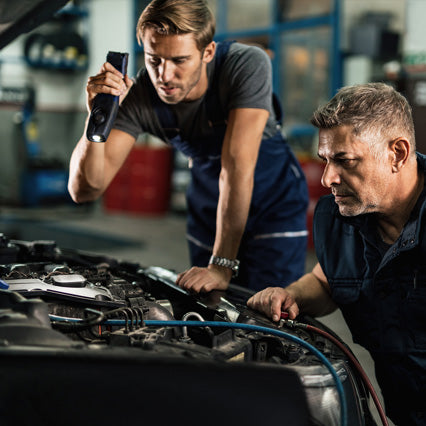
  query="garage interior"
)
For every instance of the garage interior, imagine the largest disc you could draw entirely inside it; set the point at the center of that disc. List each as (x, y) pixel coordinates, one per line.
(315, 47)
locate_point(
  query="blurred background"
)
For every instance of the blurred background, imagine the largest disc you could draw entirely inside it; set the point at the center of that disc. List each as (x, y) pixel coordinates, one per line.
(315, 48)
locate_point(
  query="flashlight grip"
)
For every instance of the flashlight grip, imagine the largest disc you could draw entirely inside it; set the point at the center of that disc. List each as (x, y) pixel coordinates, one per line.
(105, 106)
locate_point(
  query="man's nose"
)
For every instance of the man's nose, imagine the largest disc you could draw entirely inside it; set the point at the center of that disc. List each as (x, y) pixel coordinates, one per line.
(166, 71)
(330, 176)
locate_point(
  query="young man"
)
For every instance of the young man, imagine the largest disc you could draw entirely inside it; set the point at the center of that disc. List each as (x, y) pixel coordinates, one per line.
(370, 240)
(248, 197)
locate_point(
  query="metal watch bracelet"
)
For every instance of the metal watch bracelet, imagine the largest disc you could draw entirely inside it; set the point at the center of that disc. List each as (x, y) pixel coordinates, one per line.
(232, 264)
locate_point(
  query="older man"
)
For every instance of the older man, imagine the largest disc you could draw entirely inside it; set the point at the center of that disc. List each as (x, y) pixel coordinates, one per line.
(370, 240)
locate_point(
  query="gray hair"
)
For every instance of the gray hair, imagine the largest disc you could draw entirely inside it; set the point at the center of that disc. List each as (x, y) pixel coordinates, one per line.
(374, 110)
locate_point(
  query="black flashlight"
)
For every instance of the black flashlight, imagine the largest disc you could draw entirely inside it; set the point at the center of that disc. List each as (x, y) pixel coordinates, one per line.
(105, 106)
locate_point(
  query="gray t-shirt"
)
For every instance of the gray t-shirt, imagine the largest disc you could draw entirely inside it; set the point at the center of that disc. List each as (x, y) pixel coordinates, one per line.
(245, 81)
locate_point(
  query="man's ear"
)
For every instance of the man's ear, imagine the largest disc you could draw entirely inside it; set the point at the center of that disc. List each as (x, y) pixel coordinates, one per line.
(209, 52)
(400, 150)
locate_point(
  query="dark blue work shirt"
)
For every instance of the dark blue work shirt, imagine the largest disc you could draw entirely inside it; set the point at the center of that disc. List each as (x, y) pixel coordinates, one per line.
(382, 295)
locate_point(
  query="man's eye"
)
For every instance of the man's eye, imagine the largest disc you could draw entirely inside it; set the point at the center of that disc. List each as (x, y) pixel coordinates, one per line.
(154, 61)
(346, 162)
(179, 61)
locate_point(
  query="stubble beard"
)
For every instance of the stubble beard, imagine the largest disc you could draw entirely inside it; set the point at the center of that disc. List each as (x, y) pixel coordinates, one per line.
(195, 78)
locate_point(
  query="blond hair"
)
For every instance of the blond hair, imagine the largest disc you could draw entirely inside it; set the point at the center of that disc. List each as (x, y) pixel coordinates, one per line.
(171, 17)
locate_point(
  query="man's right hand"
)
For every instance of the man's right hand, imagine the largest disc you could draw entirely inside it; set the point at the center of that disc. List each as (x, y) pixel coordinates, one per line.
(272, 301)
(110, 81)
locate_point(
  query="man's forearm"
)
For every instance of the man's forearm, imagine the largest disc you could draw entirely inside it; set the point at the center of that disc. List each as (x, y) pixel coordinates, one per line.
(232, 212)
(86, 172)
(239, 156)
(312, 296)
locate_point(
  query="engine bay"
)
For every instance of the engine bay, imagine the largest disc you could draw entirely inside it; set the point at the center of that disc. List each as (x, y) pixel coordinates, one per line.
(68, 306)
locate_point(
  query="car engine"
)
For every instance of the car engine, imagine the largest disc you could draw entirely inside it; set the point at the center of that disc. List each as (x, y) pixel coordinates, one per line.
(79, 329)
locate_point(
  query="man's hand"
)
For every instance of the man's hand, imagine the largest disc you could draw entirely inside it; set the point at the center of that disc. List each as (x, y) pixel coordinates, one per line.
(207, 279)
(110, 81)
(272, 301)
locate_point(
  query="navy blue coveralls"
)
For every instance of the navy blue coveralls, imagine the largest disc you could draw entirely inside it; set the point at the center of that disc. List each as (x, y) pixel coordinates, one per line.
(382, 298)
(273, 247)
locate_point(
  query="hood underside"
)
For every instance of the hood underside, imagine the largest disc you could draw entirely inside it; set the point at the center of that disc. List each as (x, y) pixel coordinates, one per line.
(21, 16)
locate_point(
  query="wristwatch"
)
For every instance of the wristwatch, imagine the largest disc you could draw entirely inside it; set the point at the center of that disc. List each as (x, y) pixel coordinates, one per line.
(227, 263)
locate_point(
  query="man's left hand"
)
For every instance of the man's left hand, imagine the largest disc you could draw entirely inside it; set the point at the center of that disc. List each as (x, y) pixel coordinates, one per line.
(199, 279)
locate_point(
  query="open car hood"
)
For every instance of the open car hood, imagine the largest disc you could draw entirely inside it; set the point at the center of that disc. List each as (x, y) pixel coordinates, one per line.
(21, 16)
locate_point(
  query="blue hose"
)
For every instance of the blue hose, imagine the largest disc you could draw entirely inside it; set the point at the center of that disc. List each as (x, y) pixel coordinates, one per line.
(251, 327)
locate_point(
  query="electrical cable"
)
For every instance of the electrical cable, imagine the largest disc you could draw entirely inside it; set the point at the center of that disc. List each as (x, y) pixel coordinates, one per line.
(251, 327)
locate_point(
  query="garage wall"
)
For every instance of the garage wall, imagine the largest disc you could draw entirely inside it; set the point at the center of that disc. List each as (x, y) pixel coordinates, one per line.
(352, 10)
(110, 26)
(60, 96)
(107, 27)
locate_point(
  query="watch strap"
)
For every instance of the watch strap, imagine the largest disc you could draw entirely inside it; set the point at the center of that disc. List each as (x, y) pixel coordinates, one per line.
(232, 264)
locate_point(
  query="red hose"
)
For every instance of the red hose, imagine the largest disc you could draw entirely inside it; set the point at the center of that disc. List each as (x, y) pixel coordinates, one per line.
(357, 365)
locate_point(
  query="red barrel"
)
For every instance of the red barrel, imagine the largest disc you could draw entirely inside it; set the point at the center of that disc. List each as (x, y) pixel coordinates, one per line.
(143, 184)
